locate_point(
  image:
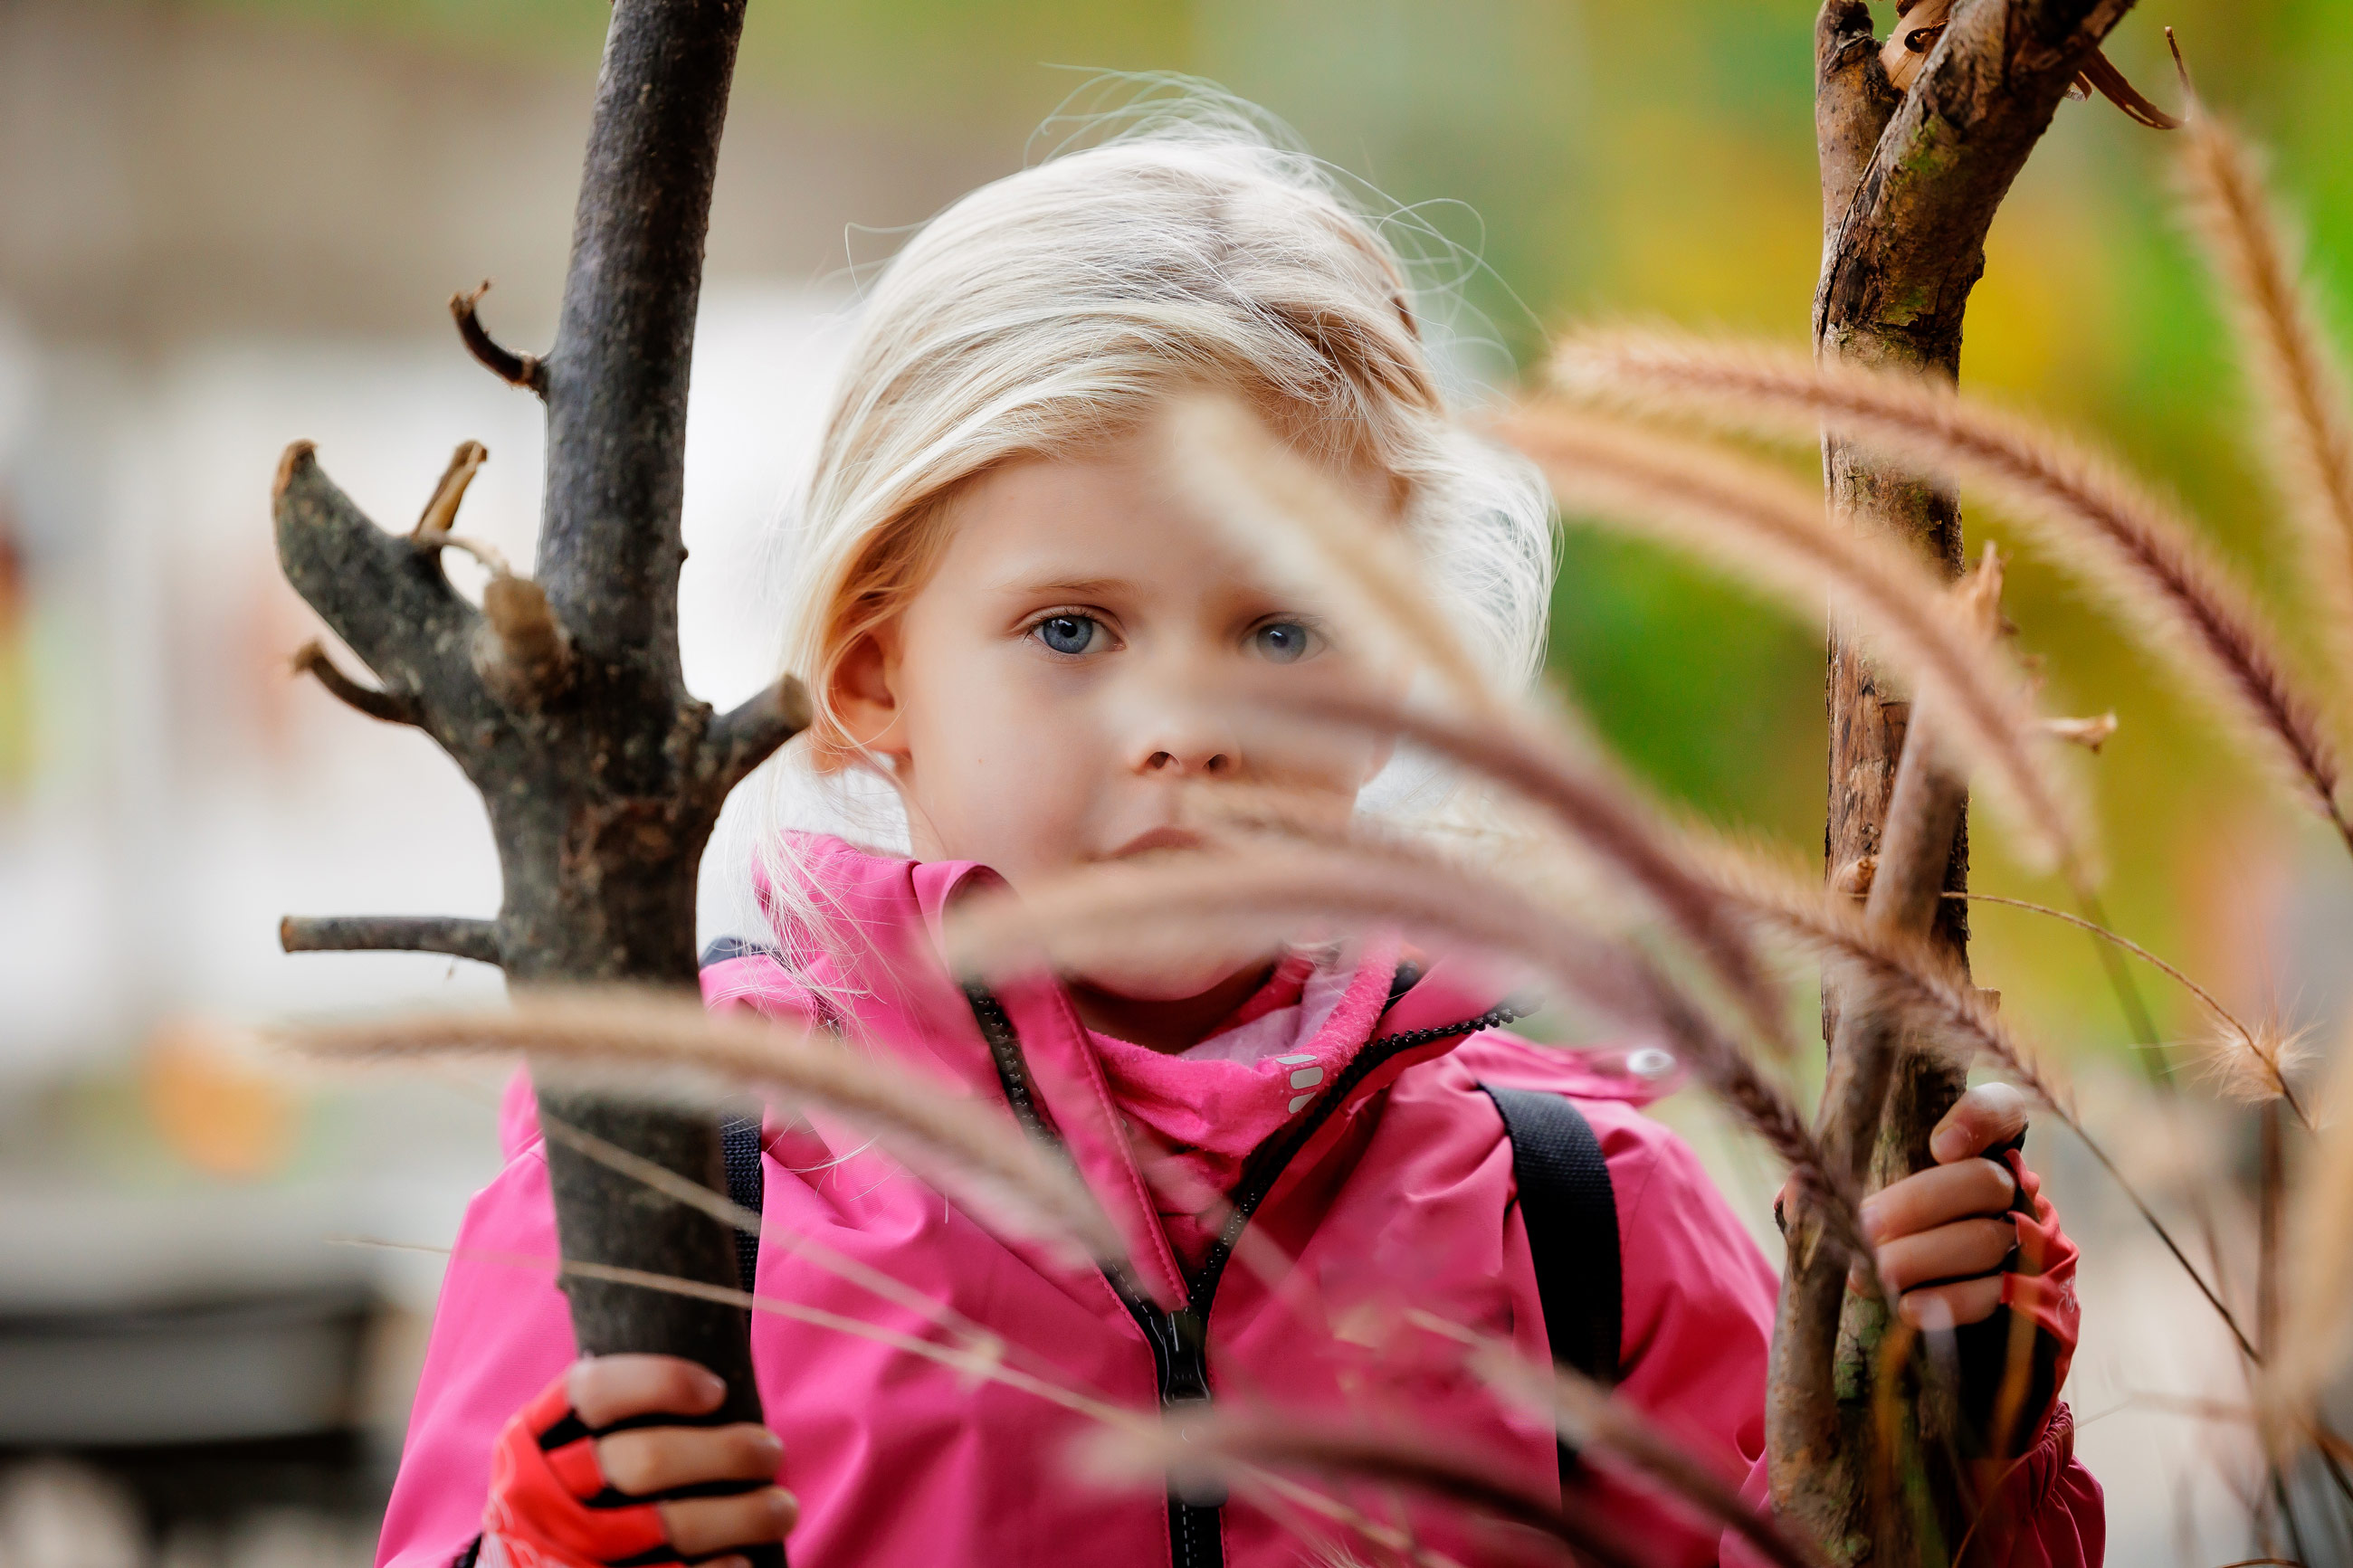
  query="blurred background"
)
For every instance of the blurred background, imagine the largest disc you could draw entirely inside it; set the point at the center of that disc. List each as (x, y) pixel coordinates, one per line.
(226, 224)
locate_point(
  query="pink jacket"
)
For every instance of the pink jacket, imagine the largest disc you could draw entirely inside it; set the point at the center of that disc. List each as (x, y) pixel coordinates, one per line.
(1400, 1203)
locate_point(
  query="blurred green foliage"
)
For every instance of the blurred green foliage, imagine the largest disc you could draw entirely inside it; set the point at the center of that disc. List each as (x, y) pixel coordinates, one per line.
(1656, 161)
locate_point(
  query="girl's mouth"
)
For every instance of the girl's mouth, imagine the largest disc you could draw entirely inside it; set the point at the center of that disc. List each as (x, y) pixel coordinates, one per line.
(1156, 839)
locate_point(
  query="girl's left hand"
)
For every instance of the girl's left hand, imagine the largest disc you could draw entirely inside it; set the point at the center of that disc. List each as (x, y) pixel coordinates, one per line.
(1944, 1235)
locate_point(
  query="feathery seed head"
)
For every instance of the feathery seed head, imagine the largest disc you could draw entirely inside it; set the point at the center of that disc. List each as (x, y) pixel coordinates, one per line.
(1753, 522)
(2113, 532)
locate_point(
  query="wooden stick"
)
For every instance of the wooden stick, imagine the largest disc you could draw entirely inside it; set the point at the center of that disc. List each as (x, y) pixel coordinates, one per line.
(452, 935)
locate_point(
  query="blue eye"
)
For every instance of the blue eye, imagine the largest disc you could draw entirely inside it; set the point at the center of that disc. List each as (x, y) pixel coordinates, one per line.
(1283, 642)
(1068, 634)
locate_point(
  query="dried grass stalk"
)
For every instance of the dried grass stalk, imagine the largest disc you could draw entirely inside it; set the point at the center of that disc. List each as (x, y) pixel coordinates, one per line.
(1944, 1001)
(697, 1196)
(1613, 1433)
(1265, 892)
(955, 1141)
(2253, 1061)
(2306, 417)
(974, 1362)
(1206, 1450)
(2317, 1320)
(1597, 808)
(1314, 535)
(1911, 970)
(2123, 540)
(1742, 517)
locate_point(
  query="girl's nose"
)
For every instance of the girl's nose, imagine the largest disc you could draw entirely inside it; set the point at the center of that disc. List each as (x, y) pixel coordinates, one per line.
(1185, 740)
(1187, 764)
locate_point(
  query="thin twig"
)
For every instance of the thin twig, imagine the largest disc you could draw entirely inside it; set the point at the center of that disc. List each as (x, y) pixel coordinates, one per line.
(493, 559)
(454, 935)
(390, 707)
(526, 371)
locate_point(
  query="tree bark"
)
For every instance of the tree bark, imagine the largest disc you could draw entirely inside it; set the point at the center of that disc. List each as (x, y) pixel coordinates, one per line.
(562, 697)
(1910, 186)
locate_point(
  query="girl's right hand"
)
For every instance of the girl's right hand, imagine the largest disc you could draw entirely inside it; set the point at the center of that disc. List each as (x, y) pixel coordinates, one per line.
(565, 1493)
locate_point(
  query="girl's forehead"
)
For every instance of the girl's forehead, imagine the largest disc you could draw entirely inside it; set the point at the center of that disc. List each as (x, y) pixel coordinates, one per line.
(1097, 516)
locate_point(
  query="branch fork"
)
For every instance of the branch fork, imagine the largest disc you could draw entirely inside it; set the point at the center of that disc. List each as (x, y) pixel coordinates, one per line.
(520, 651)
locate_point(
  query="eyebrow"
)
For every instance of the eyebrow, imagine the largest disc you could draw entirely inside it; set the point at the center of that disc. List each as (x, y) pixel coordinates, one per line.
(1072, 587)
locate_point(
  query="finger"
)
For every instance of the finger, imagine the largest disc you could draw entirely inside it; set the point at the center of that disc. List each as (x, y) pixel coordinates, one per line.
(1953, 1251)
(1938, 1196)
(655, 1459)
(1950, 1306)
(700, 1525)
(610, 1388)
(1989, 1114)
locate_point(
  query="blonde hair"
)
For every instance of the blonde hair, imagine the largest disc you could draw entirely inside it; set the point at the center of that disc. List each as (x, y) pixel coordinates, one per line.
(1062, 305)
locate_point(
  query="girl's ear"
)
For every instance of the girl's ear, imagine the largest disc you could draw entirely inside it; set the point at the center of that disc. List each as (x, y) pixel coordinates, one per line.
(865, 692)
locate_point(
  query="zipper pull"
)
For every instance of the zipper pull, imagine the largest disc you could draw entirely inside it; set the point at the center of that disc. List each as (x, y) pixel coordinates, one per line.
(1184, 1397)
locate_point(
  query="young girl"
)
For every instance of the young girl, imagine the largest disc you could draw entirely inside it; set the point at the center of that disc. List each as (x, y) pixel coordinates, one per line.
(1001, 609)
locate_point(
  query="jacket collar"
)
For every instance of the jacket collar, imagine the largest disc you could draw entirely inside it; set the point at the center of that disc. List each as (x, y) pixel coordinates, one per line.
(879, 958)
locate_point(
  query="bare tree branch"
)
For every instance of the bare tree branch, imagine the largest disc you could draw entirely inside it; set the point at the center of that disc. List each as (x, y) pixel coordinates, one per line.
(526, 371)
(563, 697)
(743, 737)
(383, 595)
(452, 935)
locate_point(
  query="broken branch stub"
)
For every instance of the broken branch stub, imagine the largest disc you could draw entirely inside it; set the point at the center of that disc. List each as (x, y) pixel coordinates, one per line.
(455, 935)
(562, 698)
(526, 371)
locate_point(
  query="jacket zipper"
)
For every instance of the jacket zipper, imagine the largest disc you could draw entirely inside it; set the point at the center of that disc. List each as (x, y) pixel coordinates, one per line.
(1180, 1338)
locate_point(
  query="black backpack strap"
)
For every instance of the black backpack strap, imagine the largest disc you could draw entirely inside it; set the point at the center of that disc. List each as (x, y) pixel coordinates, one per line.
(739, 1142)
(1571, 1215)
(739, 1135)
(723, 948)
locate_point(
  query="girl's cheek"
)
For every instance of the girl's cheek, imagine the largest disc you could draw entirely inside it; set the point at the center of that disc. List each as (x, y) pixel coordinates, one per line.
(1024, 788)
